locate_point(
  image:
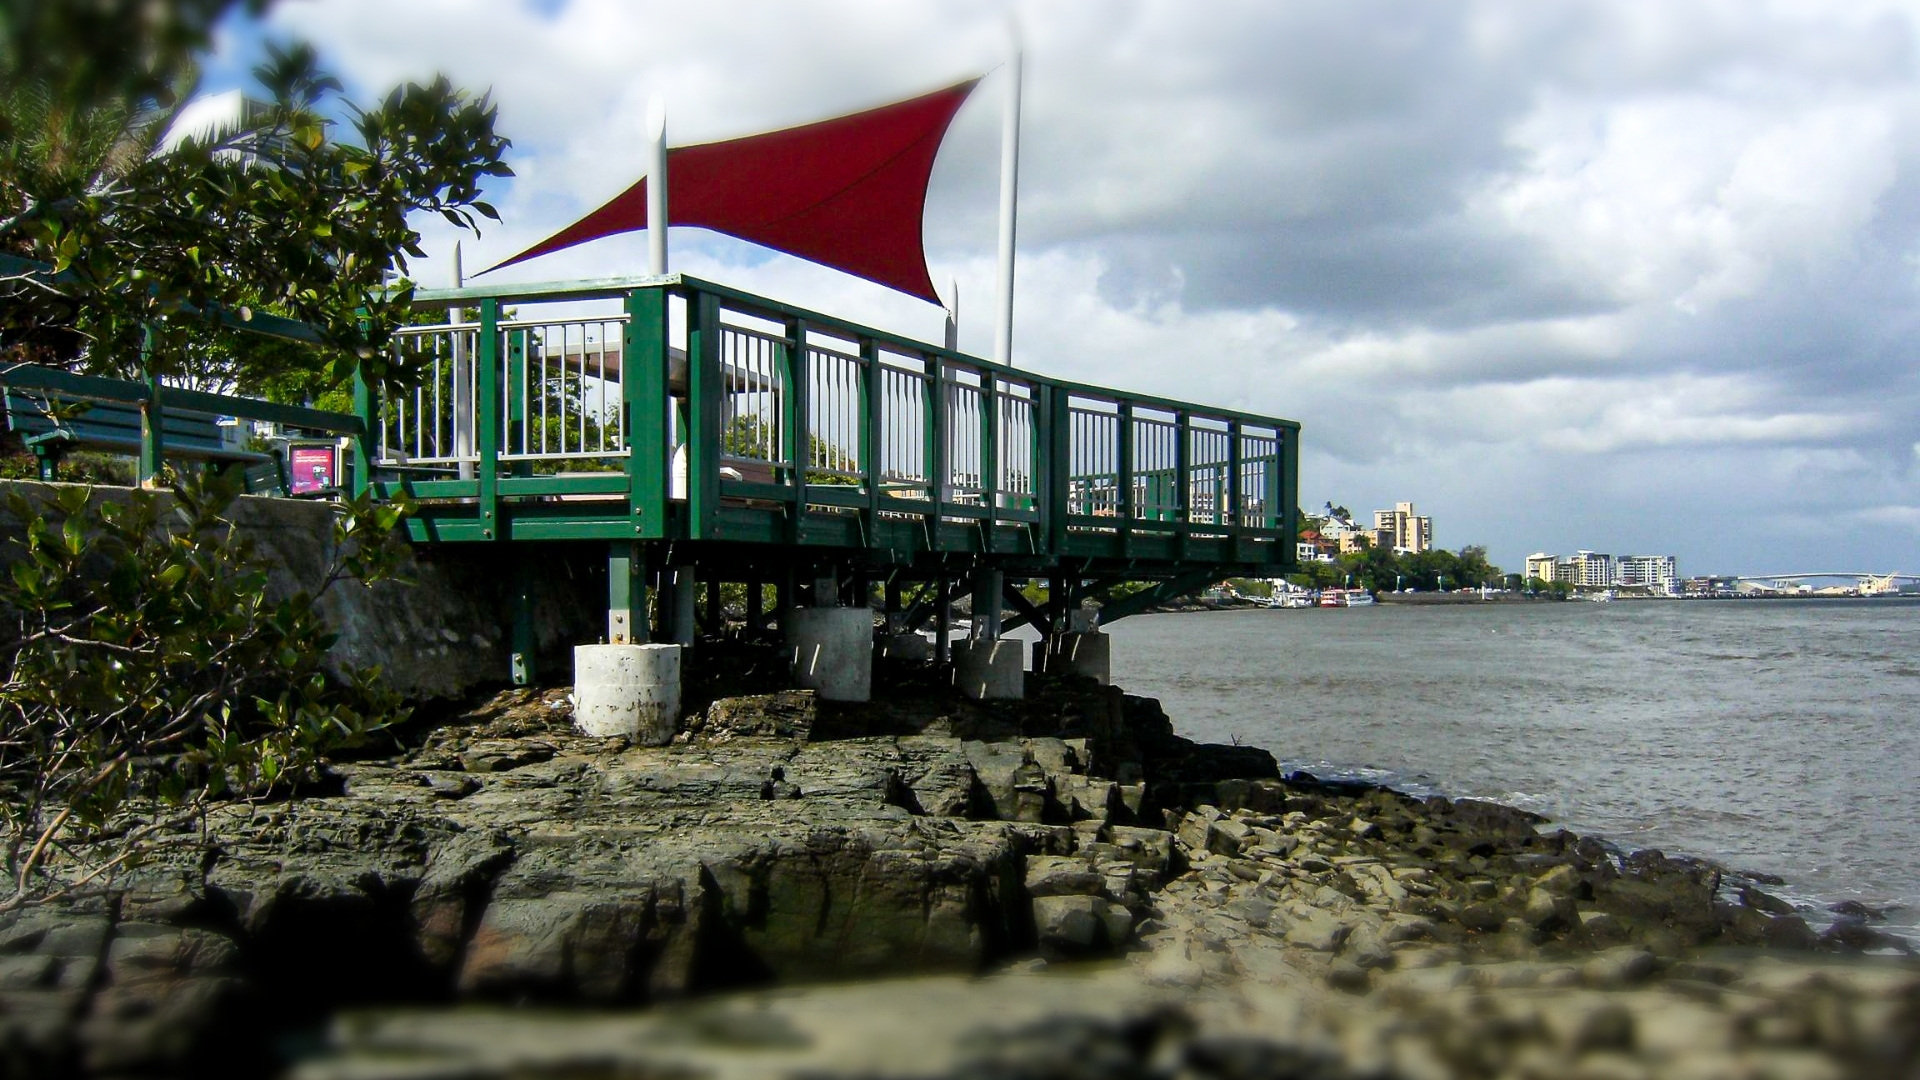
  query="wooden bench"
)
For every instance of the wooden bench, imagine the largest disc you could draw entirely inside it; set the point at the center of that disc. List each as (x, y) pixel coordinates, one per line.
(50, 431)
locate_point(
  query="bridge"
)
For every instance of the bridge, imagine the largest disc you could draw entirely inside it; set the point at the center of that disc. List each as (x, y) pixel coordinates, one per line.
(703, 437)
(1869, 583)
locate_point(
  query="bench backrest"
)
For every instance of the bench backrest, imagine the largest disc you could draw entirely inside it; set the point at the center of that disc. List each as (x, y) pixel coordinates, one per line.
(116, 425)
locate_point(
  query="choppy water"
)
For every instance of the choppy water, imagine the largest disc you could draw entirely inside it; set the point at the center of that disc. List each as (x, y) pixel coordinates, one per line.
(1776, 736)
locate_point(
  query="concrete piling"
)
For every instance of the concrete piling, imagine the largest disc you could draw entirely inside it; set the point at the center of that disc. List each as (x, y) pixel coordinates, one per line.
(628, 690)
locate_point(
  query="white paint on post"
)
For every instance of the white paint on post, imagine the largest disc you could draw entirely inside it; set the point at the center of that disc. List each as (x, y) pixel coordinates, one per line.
(656, 185)
(1009, 197)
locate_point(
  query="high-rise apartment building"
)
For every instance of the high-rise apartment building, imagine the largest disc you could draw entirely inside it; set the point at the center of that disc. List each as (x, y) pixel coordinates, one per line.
(1595, 570)
(1409, 531)
(1654, 570)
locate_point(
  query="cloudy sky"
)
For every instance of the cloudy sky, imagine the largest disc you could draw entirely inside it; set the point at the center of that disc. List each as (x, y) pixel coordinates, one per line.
(1619, 275)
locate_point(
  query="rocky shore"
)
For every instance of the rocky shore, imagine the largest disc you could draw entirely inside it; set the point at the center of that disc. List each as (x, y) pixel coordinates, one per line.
(923, 886)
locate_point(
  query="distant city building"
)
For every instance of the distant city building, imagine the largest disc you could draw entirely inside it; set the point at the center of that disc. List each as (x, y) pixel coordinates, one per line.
(1401, 528)
(1656, 571)
(1312, 551)
(1598, 570)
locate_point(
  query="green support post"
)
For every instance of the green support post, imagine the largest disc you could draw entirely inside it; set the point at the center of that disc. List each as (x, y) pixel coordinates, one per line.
(705, 386)
(643, 392)
(486, 424)
(627, 593)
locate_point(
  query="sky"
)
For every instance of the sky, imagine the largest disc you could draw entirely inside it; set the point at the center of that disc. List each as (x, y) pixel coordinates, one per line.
(1636, 277)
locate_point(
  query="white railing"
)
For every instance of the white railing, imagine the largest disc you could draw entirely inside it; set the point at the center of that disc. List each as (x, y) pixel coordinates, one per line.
(562, 378)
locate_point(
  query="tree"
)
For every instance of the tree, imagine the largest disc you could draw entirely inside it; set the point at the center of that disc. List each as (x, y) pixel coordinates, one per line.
(278, 213)
(145, 671)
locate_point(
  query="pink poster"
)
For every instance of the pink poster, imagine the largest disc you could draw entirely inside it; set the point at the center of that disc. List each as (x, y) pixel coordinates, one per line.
(313, 469)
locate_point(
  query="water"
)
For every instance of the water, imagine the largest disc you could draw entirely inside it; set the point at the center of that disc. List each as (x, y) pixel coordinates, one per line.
(1773, 736)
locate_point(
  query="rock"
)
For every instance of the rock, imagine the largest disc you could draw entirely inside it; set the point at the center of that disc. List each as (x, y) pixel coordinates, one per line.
(1225, 836)
(449, 785)
(1194, 829)
(1546, 911)
(1317, 930)
(1765, 902)
(1347, 976)
(161, 1008)
(1618, 967)
(789, 714)
(1072, 925)
(1484, 916)
(947, 787)
(1848, 935)
(1150, 850)
(501, 755)
(1015, 785)
(1053, 875)
(1852, 909)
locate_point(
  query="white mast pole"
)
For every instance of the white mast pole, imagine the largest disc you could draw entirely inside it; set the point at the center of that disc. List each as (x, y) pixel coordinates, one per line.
(656, 185)
(1009, 197)
(953, 316)
(464, 419)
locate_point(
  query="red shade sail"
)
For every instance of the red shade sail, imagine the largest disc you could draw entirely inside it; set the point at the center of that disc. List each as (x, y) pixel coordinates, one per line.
(847, 193)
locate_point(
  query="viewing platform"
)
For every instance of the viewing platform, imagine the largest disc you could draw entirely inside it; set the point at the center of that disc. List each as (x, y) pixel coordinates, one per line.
(685, 435)
(674, 409)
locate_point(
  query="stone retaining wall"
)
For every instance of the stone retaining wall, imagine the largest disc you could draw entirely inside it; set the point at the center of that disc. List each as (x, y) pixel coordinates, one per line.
(441, 636)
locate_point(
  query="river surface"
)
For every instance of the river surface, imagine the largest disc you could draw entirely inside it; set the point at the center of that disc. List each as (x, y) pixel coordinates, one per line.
(1775, 736)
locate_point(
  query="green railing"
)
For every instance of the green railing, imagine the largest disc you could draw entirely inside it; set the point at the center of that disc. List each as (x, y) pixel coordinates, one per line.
(675, 408)
(154, 400)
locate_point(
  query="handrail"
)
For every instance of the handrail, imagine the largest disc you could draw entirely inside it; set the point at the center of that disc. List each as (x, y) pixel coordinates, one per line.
(746, 418)
(72, 385)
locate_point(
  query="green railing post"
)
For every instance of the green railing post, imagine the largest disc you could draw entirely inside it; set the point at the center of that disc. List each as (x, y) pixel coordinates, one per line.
(1125, 474)
(516, 438)
(362, 456)
(1234, 518)
(1182, 481)
(796, 417)
(643, 394)
(153, 453)
(1056, 464)
(486, 434)
(936, 443)
(871, 395)
(1289, 471)
(989, 457)
(704, 388)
